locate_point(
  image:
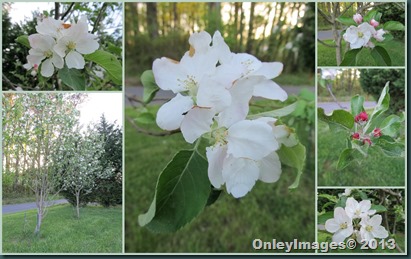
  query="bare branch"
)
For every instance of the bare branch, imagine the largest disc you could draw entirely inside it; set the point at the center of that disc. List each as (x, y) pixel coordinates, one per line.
(99, 17)
(347, 9)
(67, 11)
(147, 132)
(324, 16)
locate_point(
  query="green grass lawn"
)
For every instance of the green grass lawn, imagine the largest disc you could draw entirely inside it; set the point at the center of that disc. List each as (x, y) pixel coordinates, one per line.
(326, 55)
(399, 239)
(229, 225)
(99, 230)
(374, 170)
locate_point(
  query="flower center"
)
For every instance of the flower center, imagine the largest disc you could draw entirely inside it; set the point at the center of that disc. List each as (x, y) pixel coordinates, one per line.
(190, 84)
(368, 228)
(360, 34)
(247, 65)
(48, 53)
(71, 45)
(343, 225)
(357, 212)
(220, 135)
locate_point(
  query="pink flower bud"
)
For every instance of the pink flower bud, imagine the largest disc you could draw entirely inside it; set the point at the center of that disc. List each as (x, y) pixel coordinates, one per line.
(357, 18)
(367, 140)
(362, 117)
(374, 23)
(35, 67)
(356, 135)
(377, 132)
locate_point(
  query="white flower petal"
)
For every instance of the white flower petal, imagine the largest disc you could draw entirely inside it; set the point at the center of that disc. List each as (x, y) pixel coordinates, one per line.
(58, 61)
(250, 139)
(86, 46)
(215, 157)
(340, 215)
(61, 47)
(332, 226)
(342, 234)
(171, 114)
(269, 69)
(47, 68)
(270, 90)
(196, 122)
(240, 175)
(75, 60)
(34, 59)
(270, 168)
(379, 232)
(221, 48)
(200, 41)
(41, 42)
(169, 75)
(212, 94)
(375, 220)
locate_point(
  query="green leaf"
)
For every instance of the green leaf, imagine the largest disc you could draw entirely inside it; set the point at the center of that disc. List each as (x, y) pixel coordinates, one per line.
(380, 56)
(378, 208)
(145, 118)
(328, 197)
(293, 157)
(341, 202)
(391, 149)
(114, 49)
(275, 113)
(357, 103)
(24, 40)
(324, 217)
(339, 118)
(393, 26)
(346, 157)
(214, 195)
(182, 192)
(382, 105)
(109, 62)
(73, 78)
(387, 37)
(346, 20)
(391, 125)
(350, 57)
(370, 15)
(150, 86)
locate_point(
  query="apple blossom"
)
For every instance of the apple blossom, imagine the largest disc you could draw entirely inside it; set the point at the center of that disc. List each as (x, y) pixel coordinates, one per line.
(329, 74)
(42, 52)
(377, 132)
(374, 23)
(357, 18)
(340, 225)
(359, 36)
(361, 117)
(355, 135)
(51, 27)
(368, 141)
(355, 209)
(371, 228)
(378, 35)
(75, 42)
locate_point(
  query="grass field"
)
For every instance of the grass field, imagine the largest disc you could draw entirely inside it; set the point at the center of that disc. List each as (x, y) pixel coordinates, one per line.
(326, 55)
(375, 170)
(99, 230)
(229, 225)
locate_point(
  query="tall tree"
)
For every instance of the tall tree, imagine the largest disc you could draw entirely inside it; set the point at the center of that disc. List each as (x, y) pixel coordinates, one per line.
(152, 23)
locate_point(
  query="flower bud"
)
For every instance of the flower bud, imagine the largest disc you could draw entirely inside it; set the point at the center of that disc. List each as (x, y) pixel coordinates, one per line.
(377, 132)
(355, 135)
(367, 140)
(362, 117)
(357, 18)
(374, 23)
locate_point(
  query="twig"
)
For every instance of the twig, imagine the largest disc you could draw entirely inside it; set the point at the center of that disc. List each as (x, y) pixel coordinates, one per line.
(67, 12)
(370, 6)
(147, 132)
(56, 10)
(326, 44)
(324, 16)
(333, 96)
(346, 9)
(12, 85)
(100, 15)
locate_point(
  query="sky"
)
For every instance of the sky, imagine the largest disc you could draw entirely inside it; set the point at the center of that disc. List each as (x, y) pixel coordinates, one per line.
(111, 104)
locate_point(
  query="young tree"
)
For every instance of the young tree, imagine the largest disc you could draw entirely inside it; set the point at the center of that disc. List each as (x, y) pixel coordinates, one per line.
(78, 164)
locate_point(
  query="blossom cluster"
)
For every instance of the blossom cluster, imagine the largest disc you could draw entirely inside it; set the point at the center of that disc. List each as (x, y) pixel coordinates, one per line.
(361, 35)
(360, 120)
(356, 220)
(56, 42)
(213, 87)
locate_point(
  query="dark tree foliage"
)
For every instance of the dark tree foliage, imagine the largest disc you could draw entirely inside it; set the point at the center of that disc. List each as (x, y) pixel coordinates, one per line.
(307, 44)
(373, 81)
(393, 12)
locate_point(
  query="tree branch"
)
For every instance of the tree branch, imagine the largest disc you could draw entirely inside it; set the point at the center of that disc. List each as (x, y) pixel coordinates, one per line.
(347, 9)
(67, 12)
(324, 16)
(100, 15)
(147, 132)
(326, 44)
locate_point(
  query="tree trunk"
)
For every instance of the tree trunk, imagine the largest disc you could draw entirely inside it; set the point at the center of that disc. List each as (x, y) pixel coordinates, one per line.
(152, 23)
(250, 39)
(214, 17)
(242, 17)
(78, 204)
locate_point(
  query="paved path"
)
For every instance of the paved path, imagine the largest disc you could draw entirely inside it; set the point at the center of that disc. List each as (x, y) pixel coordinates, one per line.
(326, 35)
(13, 208)
(331, 106)
(163, 96)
